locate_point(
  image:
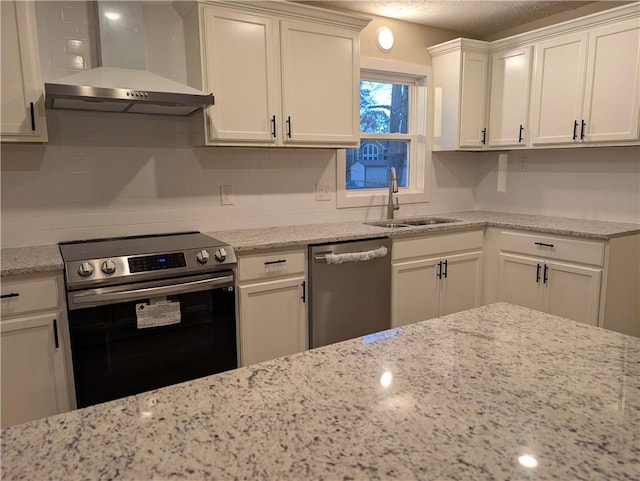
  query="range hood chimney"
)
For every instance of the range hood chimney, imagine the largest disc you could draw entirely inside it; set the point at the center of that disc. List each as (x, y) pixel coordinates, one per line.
(122, 84)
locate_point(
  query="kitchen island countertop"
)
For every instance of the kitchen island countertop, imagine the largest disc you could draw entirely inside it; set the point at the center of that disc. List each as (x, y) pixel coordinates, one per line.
(460, 397)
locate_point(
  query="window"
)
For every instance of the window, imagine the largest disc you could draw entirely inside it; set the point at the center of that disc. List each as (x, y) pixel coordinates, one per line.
(393, 132)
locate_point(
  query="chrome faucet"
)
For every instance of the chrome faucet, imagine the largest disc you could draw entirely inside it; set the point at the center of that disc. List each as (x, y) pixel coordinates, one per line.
(393, 189)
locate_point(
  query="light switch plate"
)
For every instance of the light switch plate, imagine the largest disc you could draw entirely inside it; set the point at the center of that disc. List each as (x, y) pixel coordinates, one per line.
(226, 195)
(323, 191)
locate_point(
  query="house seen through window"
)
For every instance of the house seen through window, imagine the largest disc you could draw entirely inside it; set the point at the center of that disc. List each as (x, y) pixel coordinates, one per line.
(385, 139)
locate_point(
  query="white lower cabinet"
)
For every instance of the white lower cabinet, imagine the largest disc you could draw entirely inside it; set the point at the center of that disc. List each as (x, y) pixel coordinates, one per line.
(436, 275)
(32, 351)
(272, 310)
(566, 290)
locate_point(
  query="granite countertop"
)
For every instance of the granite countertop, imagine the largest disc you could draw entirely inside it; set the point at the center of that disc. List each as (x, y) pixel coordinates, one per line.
(289, 236)
(31, 260)
(461, 397)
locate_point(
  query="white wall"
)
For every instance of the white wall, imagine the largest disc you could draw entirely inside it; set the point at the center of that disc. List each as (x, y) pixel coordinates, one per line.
(588, 183)
(109, 174)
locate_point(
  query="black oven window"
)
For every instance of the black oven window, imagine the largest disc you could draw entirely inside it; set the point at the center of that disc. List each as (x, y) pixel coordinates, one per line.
(114, 358)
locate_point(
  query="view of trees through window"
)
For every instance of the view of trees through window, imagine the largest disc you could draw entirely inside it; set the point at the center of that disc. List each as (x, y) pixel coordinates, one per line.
(384, 111)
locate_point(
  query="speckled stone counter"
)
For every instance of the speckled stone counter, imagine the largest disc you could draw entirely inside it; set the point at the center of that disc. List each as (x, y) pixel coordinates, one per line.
(30, 260)
(300, 235)
(457, 398)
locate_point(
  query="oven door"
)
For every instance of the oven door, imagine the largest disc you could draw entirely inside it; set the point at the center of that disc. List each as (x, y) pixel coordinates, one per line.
(131, 339)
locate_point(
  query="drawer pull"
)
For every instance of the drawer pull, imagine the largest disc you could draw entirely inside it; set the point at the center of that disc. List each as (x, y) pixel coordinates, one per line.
(543, 244)
(12, 294)
(33, 117)
(55, 333)
(279, 261)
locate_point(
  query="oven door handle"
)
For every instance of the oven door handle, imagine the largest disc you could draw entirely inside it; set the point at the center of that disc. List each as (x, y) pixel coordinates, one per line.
(94, 296)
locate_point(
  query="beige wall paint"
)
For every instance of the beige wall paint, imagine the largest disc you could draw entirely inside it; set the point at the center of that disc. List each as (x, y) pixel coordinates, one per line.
(411, 40)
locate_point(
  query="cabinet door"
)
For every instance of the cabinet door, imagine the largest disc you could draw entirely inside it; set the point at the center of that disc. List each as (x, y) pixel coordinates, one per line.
(22, 97)
(240, 70)
(320, 84)
(414, 291)
(520, 281)
(509, 104)
(612, 99)
(473, 100)
(559, 89)
(572, 292)
(33, 370)
(272, 320)
(461, 277)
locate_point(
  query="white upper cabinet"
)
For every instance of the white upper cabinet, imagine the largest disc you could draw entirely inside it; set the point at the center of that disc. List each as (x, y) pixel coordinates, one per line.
(22, 97)
(612, 93)
(586, 86)
(559, 89)
(241, 71)
(280, 74)
(320, 84)
(575, 83)
(509, 101)
(460, 94)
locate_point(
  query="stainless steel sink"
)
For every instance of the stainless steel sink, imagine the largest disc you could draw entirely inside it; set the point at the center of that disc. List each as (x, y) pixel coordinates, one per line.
(403, 223)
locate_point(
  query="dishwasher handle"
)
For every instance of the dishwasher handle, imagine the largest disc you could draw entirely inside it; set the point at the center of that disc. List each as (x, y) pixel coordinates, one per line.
(351, 256)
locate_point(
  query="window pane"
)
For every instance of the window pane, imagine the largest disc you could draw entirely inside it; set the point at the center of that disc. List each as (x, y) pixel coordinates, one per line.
(384, 108)
(368, 166)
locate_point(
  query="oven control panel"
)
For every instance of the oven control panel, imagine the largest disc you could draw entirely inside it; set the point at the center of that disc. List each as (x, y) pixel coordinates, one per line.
(156, 262)
(115, 270)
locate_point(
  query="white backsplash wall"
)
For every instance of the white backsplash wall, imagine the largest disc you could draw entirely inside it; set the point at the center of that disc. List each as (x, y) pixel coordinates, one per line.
(589, 183)
(105, 174)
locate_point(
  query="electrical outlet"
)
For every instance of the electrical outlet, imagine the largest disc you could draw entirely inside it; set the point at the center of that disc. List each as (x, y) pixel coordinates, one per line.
(323, 192)
(522, 164)
(226, 195)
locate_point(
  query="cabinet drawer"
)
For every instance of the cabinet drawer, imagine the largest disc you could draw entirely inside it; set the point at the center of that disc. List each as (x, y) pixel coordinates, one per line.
(435, 245)
(28, 295)
(269, 265)
(551, 247)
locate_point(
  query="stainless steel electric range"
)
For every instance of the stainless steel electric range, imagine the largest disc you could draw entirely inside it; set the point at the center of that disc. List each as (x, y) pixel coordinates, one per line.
(148, 311)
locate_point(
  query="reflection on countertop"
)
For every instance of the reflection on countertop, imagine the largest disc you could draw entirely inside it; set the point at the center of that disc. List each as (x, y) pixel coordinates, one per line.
(497, 392)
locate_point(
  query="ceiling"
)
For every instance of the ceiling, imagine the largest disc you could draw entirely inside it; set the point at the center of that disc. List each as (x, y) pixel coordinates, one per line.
(474, 17)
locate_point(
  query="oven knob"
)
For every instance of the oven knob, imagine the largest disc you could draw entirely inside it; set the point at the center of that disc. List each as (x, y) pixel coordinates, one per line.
(220, 254)
(85, 269)
(202, 256)
(108, 267)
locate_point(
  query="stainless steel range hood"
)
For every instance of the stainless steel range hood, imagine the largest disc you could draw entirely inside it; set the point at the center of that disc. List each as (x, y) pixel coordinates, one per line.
(112, 88)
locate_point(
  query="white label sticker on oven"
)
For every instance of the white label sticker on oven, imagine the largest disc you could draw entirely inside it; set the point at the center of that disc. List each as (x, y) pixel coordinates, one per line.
(162, 313)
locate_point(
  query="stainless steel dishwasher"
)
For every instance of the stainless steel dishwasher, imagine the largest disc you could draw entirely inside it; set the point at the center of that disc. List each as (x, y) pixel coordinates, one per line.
(349, 290)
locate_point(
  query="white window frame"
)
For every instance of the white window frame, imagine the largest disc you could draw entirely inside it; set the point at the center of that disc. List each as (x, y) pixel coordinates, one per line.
(419, 185)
